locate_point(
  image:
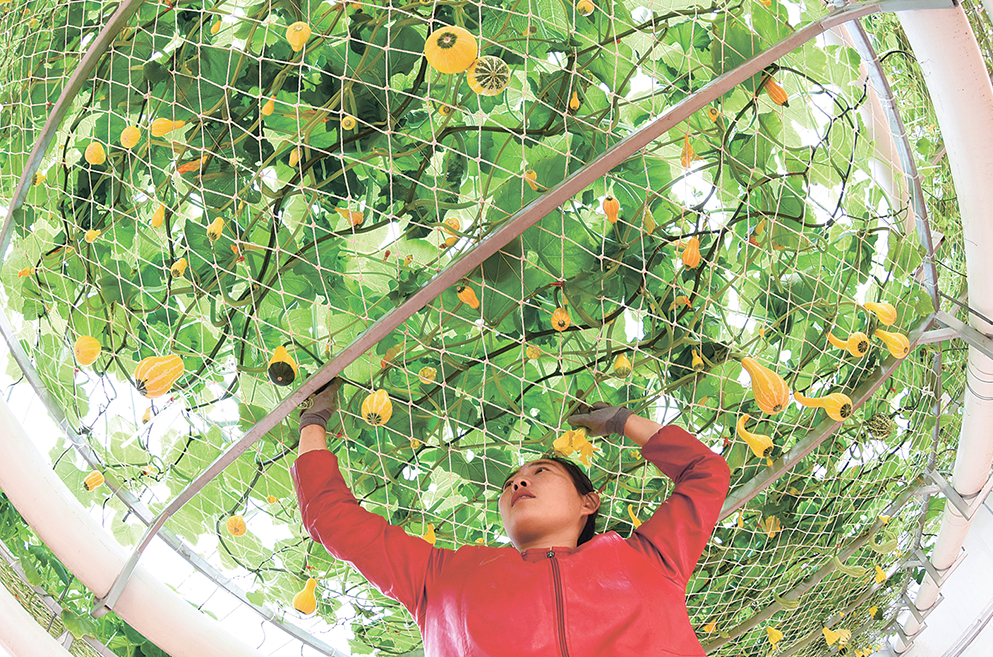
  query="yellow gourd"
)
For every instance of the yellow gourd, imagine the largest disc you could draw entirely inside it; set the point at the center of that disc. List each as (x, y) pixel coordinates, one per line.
(282, 369)
(155, 375)
(585, 7)
(348, 122)
(857, 343)
(488, 75)
(377, 408)
(634, 518)
(771, 393)
(698, 364)
(897, 343)
(298, 34)
(622, 365)
(691, 253)
(130, 137)
(93, 480)
(94, 153)
(831, 636)
(178, 268)
(215, 229)
(838, 405)
(533, 352)
(760, 444)
(713, 114)
(531, 176)
(161, 127)
(305, 601)
(611, 206)
(561, 319)
(236, 526)
(450, 49)
(429, 535)
(294, 157)
(649, 224)
(87, 349)
(158, 218)
(91, 235)
(452, 225)
(353, 217)
(574, 102)
(426, 375)
(710, 627)
(467, 295)
(269, 107)
(885, 312)
(216, 27)
(776, 93)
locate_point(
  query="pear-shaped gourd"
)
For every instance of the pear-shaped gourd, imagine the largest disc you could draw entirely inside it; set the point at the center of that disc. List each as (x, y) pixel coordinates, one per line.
(305, 601)
(761, 445)
(838, 405)
(771, 393)
(622, 365)
(857, 343)
(885, 312)
(155, 375)
(467, 296)
(691, 253)
(611, 206)
(282, 369)
(377, 409)
(698, 363)
(93, 480)
(87, 349)
(897, 343)
(297, 35)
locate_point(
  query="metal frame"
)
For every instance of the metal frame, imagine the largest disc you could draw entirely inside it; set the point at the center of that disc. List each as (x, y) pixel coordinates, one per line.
(516, 225)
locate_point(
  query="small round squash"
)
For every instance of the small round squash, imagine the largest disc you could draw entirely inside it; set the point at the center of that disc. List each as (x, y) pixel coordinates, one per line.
(488, 75)
(450, 49)
(87, 349)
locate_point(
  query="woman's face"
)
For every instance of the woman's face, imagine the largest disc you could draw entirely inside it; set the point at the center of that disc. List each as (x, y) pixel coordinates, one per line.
(541, 507)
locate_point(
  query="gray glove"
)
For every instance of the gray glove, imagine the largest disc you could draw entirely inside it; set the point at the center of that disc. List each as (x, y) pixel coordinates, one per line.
(601, 419)
(320, 406)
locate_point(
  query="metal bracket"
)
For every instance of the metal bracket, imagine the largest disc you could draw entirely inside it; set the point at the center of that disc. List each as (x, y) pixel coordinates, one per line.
(966, 505)
(107, 603)
(920, 614)
(918, 559)
(974, 338)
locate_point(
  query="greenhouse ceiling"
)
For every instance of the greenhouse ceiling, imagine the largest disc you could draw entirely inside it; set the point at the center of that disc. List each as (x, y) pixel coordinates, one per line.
(214, 209)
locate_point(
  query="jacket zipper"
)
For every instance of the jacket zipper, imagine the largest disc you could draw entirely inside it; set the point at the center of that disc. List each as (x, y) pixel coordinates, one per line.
(559, 603)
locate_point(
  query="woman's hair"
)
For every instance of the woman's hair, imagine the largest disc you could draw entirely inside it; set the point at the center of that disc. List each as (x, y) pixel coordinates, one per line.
(583, 486)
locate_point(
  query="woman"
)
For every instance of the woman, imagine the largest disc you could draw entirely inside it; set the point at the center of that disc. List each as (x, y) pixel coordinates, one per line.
(551, 593)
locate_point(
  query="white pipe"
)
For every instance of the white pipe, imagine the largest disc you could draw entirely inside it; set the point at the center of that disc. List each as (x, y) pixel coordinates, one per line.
(21, 635)
(90, 553)
(959, 85)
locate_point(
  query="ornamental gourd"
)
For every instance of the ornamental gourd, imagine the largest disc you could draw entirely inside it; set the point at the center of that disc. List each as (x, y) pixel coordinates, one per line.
(585, 7)
(838, 405)
(698, 363)
(269, 107)
(622, 366)
(158, 217)
(178, 268)
(771, 393)
(298, 34)
(776, 93)
(488, 75)
(305, 601)
(468, 296)
(531, 176)
(377, 408)
(94, 153)
(760, 444)
(426, 375)
(561, 319)
(857, 343)
(155, 375)
(87, 349)
(215, 229)
(611, 206)
(452, 226)
(130, 136)
(691, 253)
(884, 312)
(897, 343)
(450, 49)
(162, 127)
(93, 480)
(236, 526)
(282, 369)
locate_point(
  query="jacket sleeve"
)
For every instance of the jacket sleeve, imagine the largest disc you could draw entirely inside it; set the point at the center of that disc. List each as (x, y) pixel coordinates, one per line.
(393, 561)
(679, 529)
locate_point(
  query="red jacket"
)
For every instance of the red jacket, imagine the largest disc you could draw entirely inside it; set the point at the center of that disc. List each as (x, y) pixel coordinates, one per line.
(609, 596)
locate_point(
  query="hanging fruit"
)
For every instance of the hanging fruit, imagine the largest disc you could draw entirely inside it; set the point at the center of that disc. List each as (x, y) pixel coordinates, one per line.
(158, 218)
(531, 176)
(760, 444)
(271, 499)
(429, 535)
(857, 343)
(574, 102)
(771, 393)
(713, 114)
(426, 375)
(698, 364)
(611, 206)
(178, 268)
(282, 369)
(155, 375)
(450, 49)
(648, 222)
(294, 157)
(298, 34)
(776, 93)
(561, 319)
(691, 253)
(622, 366)
(305, 601)
(147, 415)
(880, 425)
(585, 7)
(446, 110)
(94, 153)
(897, 343)
(353, 217)
(236, 526)
(216, 27)
(467, 296)
(215, 229)
(87, 349)
(710, 627)
(688, 156)
(838, 405)
(269, 107)
(452, 226)
(91, 235)
(348, 122)
(488, 75)
(884, 312)
(533, 352)
(161, 127)
(377, 408)
(831, 636)
(130, 136)
(93, 480)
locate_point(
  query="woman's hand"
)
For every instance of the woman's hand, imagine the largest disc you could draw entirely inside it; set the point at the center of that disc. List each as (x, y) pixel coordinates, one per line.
(601, 419)
(315, 412)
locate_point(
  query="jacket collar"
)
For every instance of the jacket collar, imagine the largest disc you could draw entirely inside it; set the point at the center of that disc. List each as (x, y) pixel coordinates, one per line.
(538, 554)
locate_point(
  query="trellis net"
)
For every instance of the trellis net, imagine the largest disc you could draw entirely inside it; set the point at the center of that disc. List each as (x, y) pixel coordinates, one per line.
(238, 179)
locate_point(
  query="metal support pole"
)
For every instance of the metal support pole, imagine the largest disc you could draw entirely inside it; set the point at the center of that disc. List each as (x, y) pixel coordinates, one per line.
(974, 338)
